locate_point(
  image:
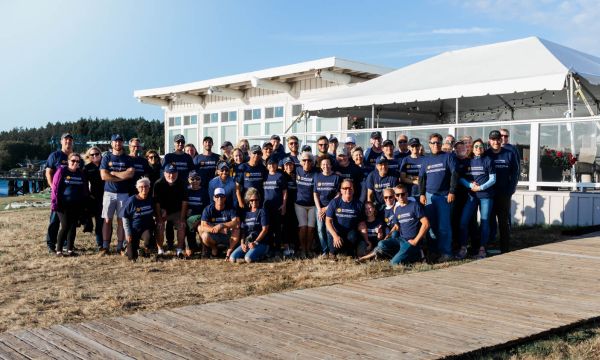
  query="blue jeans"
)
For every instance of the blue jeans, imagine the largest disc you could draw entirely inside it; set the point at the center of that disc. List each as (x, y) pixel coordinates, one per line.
(352, 242)
(52, 234)
(485, 210)
(439, 214)
(252, 255)
(400, 250)
(323, 234)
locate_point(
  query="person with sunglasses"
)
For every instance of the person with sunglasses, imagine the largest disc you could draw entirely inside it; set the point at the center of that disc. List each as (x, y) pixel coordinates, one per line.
(194, 203)
(345, 221)
(325, 187)
(437, 183)
(387, 213)
(305, 204)
(410, 168)
(479, 180)
(380, 179)
(69, 193)
(411, 224)
(253, 174)
(358, 159)
(275, 204)
(155, 166)
(348, 170)
(225, 181)
(220, 225)
(323, 151)
(403, 147)
(290, 221)
(255, 228)
(182, 161)
(91, 170)
(294, 146)
(374, 224)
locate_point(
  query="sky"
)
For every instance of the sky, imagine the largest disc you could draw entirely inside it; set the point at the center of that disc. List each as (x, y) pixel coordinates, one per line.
(61, 60)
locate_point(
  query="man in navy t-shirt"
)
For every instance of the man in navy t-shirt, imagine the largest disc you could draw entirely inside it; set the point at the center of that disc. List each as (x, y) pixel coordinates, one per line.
(345, 221)
(252, 174)
(178, 158)
(220, 225)
(375, 150)
(437, 183)
(140, 164)
(206, 163)
(380, 179)
(116, 169)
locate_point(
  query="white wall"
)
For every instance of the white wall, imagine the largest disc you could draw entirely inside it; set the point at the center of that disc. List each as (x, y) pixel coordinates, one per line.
(556, 208)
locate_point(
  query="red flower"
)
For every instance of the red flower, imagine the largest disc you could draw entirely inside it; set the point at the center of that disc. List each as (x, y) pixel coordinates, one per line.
(559, 153)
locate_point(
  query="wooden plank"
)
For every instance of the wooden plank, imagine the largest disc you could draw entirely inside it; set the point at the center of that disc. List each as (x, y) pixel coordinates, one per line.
(50, 350)
(21, 347)
(8, 353)
(68, 344)
(104, 350)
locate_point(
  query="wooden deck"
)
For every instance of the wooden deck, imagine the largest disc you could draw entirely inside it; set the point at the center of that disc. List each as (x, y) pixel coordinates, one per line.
(432, 314)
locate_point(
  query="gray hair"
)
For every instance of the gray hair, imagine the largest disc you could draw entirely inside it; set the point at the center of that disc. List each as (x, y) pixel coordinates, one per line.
(250, 193)
(142, 181)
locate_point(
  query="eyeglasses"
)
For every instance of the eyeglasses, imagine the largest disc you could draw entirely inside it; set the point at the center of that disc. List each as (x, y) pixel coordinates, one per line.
(253, 200)
(402, 141)
(400, 194)
(322, 144)
(74, 161)
(347, 188)
(152, 157)
(478, 146)
(435, 143)
(220, 197)
(179, 142)
(95, 154)
(135, 146)
(293, 143)
(195, 179)
(303, 160)
(388, 197)
(504, 136)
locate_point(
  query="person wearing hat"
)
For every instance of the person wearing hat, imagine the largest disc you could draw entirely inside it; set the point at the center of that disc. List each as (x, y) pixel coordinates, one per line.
(225, 181)
(350, 143)
(460, 199)
(255, 230)
(375, 150)
(333, 145)
(358, 159)
(437, 183)
(293, 144)
(305, 204)
(506, 165)
(219, 226)
(403, 150)
(410, 168)
(206, 163)
(140, 164)
(226, 151)
(278, 150)
(253, 174)
(55, 160)
(169, 192)
(290, 221)
(378, 180)
(116, 169)
(275, 203)
(179, 158)
(393, 162)
(347, 169)
(194, 203)
(267, 151)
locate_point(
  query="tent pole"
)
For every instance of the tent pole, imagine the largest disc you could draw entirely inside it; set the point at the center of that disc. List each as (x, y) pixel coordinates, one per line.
(571, 127)
(373, 116)
(456, 116)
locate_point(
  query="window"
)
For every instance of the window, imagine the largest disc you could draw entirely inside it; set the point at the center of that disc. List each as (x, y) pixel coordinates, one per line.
(213, 132)
(269, 113)
(171, 121)
(252, 114)
(178, 121)
(229, 133)
(191, 136)
(170, 145)
(327, 124)
(229, 116)
(256, 114)
(190, 120)
(273, 112)
(211, 118)
(279, 111)
(252, 130)
(274, 128)
(296, 109)
(206, 119)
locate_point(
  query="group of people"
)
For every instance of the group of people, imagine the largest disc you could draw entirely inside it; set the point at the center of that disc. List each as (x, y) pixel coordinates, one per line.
(252, 202)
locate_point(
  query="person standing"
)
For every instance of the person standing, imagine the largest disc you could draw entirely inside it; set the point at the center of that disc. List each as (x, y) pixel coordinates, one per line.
(410, 168)
(326, 187)
(290, 221)
(140, 163)
(393, 162)
(253, 174)
(507, 177)
(293, 145)
(348, 170)
(275, 203)
(69, 193)
(378, 180)
(206, 163)
(226, 152)
(278, 150)
(305, 204)
(375, 151)
(155, 167)
(322, 150)
(56, 160)
(225, 181)
(182, 161)
(437, 184)
(91, 170)
(116, 169)
(403, 148)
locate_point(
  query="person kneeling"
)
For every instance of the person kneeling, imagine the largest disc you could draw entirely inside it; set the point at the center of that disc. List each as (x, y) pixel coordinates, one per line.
(138, 220)
(219, 225)
(345, 222)
(255, 225)
(411, 224)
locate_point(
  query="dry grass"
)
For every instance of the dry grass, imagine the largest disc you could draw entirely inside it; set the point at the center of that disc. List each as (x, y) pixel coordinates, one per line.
(40, 290)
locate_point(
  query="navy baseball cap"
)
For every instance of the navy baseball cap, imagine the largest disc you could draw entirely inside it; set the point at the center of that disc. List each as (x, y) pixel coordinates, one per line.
(388, 143)
(414, 141)
(223, 164)
(287, 160)
(255, 149)
(376, 135)
(495, 135)
(116, 137)
(381, 160)
(179, 138)
(170, 168)
(66, 135)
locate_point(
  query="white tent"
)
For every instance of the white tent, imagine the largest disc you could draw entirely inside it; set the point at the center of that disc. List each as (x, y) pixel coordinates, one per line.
(526, 75)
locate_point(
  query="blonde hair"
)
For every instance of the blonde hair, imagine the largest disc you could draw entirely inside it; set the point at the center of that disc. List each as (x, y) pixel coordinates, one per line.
(87, 153)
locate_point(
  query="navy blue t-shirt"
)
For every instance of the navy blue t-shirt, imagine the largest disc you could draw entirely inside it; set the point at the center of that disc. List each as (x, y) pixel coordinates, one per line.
(401, 155)
(292, 188)
(206, 167)
(479, 170)
(117, 163)
(371, 157)
(141, 167)
(213, 216)
(196, 200)
(366, 170)
(326, 187)
(294, 159)
(183, 162)
(73, 191)
(354, 173)
(461, 169)
(437, 170)
(252, 176)
(507, 170)
(305, 185)
(56, 159)
(408, 218)
(274, 187)
(388, 219)
(411, 167)
(345, 215)
(254, 221)
(393, 166)
(373, 229)
(377, 184)
(140, 213)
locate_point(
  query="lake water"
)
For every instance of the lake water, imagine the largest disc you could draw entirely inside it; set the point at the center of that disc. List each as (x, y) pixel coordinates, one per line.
(3, 188)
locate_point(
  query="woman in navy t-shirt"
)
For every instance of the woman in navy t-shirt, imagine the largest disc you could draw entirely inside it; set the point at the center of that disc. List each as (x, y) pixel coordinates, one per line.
(255, 227)
(305, 203)
(326, 187)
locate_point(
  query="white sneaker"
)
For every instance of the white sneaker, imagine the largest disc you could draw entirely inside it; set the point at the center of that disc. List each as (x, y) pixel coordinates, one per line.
(161, 251)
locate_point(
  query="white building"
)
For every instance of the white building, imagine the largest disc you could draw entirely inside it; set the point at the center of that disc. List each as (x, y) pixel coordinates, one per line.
(544, 93)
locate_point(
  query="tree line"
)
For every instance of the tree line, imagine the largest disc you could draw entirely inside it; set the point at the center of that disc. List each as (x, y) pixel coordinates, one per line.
(35, 144)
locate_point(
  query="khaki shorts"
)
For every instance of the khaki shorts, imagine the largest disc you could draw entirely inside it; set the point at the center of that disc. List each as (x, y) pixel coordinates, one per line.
(113, 202)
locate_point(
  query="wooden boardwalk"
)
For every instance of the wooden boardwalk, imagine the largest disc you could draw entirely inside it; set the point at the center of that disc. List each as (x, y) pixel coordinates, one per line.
(431, 314)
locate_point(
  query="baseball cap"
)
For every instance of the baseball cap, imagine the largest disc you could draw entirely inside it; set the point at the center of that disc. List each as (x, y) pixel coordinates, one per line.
(388, 143)
(343, 152)
(275, 137)
(333, 139)
(179, 138)
(219, 192)
(495, 134)
(306, 148)
(193, 174)
(266, 145)
(115, 137)
(222, 165)
(287, 160)
(376, 135)
(66, 135)
(255, 149)
(414, 141)
(381, 160)
(306, 156)
(170, 168)
(350, 139)
(226, 144)
(272, 160)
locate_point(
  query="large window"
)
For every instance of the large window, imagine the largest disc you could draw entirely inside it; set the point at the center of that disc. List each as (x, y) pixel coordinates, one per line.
(213, 132)
(175, 121)
(252, 114)
(274, 112)
(211, 118)
(252, 129)
(327, 124)
(190, 120)
(229, 133)
(191, 136)
(274, 128)
(229, 116)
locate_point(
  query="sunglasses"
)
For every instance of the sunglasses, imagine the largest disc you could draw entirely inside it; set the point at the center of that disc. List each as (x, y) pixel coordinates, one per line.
(347, 188)
(179, 142)
(195, 179)
(478, 146)
(435, 143)
(402, 142)
(152, 157)
(253, 200)
(306, 160)
(400, 194)
(388, 197)
(322, 144)
(504, 136)
(74, 161)
(95, 154)
(293, 143)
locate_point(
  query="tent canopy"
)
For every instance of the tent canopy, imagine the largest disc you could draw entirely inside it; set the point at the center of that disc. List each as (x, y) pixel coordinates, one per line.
(519, 66)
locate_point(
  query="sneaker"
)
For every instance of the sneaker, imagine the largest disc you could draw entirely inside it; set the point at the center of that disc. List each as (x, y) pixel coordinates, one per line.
(160, 252)
(462, 253)
(482, 254)
(71, 253)
(179, 254)
(59, 254)
(444, 258)
(103, 252)
(123, 252)
(324, 257)
(288, 253)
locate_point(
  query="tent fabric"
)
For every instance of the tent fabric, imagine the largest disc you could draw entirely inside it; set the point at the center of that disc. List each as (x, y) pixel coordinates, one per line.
(530, 64)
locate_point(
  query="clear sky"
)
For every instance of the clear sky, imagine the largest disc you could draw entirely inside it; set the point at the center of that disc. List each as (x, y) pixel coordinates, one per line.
(65, 59)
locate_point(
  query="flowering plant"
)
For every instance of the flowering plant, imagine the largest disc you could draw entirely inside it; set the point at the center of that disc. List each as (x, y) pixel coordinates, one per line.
(560, 159)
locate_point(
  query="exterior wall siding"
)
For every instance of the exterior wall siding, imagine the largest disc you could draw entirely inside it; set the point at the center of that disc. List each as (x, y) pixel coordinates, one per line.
(556, 208)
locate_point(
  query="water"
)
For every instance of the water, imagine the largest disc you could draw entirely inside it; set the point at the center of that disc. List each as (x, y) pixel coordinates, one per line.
(3, 188)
